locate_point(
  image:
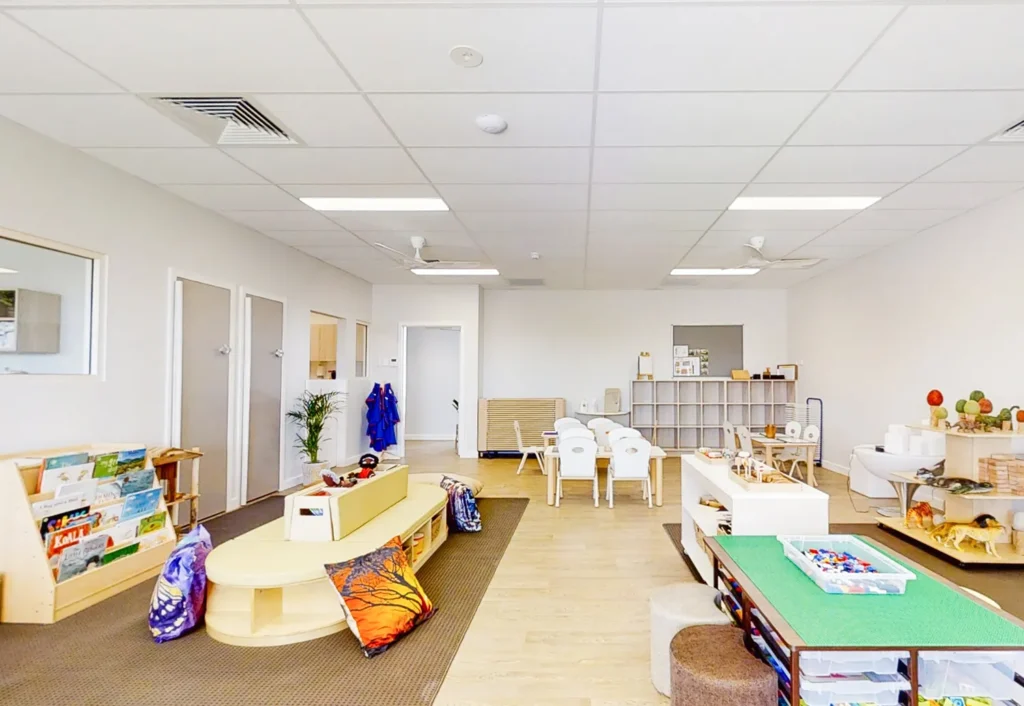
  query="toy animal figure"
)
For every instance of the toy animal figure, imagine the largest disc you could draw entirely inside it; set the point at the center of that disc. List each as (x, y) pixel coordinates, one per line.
(940, 533)
(983, 535)
(918, 514)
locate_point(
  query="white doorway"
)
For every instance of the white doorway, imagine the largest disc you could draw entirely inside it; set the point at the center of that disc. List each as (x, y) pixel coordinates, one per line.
(431, 374)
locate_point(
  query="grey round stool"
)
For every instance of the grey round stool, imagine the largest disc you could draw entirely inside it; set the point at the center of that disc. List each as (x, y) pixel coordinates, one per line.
(710, 665)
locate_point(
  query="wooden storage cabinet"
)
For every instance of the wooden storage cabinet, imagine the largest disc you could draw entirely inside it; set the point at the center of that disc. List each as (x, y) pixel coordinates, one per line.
(323, 342)
(535, 415)
(29, 321)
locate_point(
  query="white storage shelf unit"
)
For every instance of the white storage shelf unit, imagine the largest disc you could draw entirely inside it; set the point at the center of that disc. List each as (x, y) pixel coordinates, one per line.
(687, 413)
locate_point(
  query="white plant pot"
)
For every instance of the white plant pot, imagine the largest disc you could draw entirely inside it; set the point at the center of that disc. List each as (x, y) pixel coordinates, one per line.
(311, 472)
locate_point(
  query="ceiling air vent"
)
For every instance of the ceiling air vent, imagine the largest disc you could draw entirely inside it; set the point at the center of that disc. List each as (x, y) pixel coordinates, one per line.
(224, 120)
(1013, 134)
(526, 282)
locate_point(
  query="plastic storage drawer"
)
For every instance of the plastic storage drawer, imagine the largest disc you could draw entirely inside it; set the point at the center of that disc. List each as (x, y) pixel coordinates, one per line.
(821, 664)
(883, 690)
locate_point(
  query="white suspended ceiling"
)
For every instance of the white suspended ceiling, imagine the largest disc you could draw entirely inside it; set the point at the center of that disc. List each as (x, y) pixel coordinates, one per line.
(633, 125)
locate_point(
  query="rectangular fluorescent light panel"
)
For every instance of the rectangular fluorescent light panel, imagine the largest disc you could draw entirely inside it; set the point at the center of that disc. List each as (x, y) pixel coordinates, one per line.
(5, 271)
(715, 271)
(468, 272)
(375, 204)
(802, 203)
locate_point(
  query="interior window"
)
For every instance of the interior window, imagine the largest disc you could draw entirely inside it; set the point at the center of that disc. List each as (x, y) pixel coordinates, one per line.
(361, 344)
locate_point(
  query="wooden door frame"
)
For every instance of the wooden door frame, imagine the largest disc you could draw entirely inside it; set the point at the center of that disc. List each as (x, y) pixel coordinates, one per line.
(245, 388)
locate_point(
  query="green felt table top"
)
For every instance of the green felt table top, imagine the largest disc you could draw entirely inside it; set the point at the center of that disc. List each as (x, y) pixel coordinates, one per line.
(929, 614)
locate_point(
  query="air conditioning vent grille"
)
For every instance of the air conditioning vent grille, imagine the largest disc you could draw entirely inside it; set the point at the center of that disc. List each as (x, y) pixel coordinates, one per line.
(240, 122)
(1013, 134)
(526, 282)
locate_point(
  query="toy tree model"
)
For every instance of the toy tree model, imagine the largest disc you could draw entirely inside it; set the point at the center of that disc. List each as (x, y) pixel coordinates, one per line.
(934, 401)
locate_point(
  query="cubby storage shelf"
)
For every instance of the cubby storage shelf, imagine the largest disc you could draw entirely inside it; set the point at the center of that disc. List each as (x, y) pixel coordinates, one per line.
(689, 412)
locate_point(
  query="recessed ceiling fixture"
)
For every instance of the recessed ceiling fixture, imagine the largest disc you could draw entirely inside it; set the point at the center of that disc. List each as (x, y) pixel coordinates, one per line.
(714, 271)
(375, 204)
(466, 57)
(802, 203)
(5, 271)
(492, 124)
(468, 272)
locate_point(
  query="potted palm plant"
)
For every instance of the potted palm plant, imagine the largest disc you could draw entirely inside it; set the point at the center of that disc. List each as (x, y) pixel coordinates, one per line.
(312, 410)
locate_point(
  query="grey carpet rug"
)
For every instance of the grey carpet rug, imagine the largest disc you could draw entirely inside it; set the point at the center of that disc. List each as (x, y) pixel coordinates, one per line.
(104, 655)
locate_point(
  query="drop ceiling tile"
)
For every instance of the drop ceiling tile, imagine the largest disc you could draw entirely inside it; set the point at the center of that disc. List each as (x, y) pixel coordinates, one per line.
(781, 220)
(946, 46)
(30, 64)
(523, 49)
(984, 163)
(612, 276)
(652, 220)
(511, 197)
(877, 219)
(505, 221)
(449, 120)
(657, 197)
(301, 238)
(521, 165)
(862, 237)
(400, 240)
(913, 118)
(329, 165)
(137, 3)
(238, 197)
(876, 189)
(395, 220)
(96, 121)
(776, 242)
(753, 48)
(187, 165)
(937, 195)
(361, 190)
(702, 255)
(635, 119)
(280, 220)
(327, 120)
(226, 49)
(517, 245)
(833, 252)
(633, 242)
(678, 164)
(855, 164)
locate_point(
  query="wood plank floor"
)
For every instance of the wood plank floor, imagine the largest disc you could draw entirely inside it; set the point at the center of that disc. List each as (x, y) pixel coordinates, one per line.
(565, 620)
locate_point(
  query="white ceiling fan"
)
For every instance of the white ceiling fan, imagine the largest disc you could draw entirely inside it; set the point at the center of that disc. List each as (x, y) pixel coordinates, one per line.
(758, 260)
(417, 261)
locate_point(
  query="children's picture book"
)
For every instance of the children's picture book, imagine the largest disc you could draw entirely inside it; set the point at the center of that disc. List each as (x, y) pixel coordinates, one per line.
(137, 481)
(152, 523)
(75, 459)
(106, 465)
(123, 531)
(82, 557)
(85, 487)
(92, 519)
(58, 541)
(59, 521)
(52, 478)
(140, 504)
(110, 514)
(120, 552)
(48, 508)
(132, 460)
(108, 491)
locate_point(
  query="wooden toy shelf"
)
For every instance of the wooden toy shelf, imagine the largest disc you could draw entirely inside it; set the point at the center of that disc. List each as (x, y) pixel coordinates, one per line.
(30, 593)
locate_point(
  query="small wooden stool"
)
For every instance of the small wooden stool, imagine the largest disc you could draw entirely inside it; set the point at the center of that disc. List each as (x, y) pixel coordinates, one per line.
(710, 665)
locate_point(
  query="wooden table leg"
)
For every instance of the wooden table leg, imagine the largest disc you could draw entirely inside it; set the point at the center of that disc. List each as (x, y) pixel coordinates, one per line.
(810, 467)
(659, 477)
(549, 461)
(768, 455)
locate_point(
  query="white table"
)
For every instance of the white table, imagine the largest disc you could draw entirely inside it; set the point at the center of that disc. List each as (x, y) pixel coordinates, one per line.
(781, 442)
(657, 457)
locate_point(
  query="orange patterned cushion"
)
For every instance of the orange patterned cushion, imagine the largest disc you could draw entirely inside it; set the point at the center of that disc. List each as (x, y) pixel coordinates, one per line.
(382, 598)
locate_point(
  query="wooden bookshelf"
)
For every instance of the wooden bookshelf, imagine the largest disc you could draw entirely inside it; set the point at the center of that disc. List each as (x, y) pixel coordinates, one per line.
(30, 592)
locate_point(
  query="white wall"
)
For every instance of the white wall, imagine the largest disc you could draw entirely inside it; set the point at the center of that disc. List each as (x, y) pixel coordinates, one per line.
(432, 381)
(438, 305)
(53, 272)
(57, 193)
(574, 344)
(942, 310)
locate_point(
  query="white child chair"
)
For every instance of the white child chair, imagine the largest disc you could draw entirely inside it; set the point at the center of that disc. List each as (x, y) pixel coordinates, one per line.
(631, 460)
(537, 451)
(730, 435)
(622, 433)
(793, 430)
(577, 460)
(566, 422)
(580, 432)
(746, 443)
(601, 427)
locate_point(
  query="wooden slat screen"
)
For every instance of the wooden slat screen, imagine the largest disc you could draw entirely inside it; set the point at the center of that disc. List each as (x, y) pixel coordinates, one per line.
(536, 415)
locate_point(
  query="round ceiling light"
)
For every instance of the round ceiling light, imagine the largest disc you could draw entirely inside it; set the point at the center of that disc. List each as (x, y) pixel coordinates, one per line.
(466, 57)
(492, 124)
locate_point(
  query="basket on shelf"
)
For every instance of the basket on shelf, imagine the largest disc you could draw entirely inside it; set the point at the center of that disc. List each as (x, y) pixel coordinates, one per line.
(1003, 471)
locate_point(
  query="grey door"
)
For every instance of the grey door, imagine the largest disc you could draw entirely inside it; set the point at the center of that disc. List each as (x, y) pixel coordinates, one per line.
(266, 323)
(205, 371)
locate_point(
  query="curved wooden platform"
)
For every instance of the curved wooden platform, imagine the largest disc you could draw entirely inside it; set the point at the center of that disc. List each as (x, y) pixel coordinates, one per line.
(265, 590)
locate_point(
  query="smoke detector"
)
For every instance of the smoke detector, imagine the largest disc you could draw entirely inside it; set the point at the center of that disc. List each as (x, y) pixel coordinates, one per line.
(466, 57)
(492, 124)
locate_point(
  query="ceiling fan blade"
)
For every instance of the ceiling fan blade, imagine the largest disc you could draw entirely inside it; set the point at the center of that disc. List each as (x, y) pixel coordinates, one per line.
(755, 249)
(795, 264)
(427, 264)
(406, 260)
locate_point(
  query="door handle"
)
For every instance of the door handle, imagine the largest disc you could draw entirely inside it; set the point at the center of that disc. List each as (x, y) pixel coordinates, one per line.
(224, 350)
(278, 353)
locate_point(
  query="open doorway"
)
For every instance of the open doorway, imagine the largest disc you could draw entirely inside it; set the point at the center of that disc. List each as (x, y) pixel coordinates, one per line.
(431, 374)
(323, 346)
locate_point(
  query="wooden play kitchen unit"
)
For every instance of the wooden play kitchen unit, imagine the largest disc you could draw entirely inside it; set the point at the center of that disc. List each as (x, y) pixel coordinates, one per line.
(934, 640)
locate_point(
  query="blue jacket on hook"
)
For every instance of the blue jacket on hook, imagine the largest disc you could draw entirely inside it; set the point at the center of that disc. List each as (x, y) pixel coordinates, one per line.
(381, 417)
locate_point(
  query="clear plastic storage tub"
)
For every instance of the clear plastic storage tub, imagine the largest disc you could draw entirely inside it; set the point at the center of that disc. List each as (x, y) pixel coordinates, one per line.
(821, 664)
(891, 577)
(882, 690)
(988, 674)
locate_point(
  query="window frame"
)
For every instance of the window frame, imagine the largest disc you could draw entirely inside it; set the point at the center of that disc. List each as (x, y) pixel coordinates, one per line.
(365, 351)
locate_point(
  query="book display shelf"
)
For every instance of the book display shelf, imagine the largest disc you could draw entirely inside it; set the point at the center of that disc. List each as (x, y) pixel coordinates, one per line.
(106, 533)
(687, 413)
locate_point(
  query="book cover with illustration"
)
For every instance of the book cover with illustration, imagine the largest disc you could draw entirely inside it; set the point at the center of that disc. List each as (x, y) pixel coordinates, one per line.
(86, 488)
(132, 460)
(140, 504)
(92, 519)
(84, 556)
(152, 523)
(109, 491)
(58, 541)
(123, 531)
(106, 465)
(52, 478)
(56, 506)
(120, 552)
(60, 520)
(137, 481)
(110, 514)
(75, 459)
